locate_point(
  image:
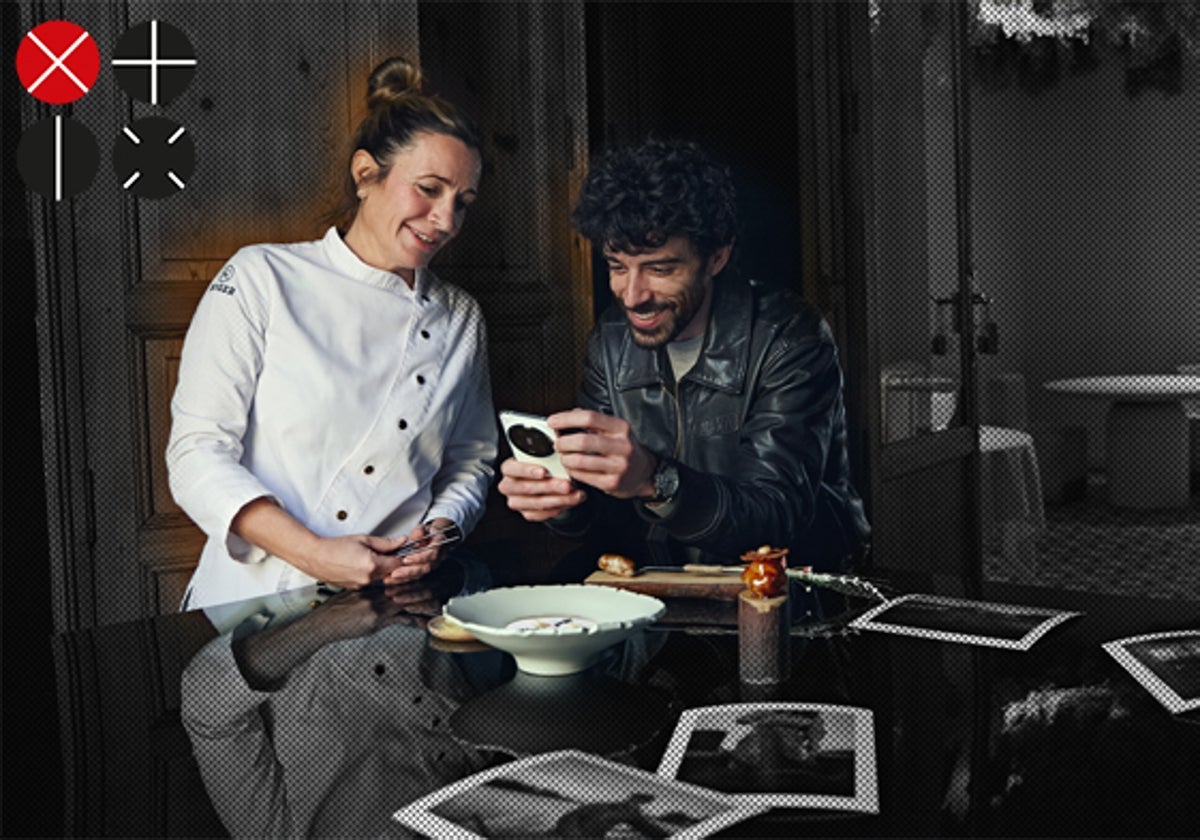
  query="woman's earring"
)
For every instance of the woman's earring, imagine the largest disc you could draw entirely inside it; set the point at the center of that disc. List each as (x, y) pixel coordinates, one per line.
(362, 194)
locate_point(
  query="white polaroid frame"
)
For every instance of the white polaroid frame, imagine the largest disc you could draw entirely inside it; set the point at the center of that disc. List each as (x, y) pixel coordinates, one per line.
(875, 619)
(575, 772)
(866, 785)
(512, 419)
(1137, 668)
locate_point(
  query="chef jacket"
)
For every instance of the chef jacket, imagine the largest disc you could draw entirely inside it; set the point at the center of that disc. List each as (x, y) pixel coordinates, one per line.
(356, 403)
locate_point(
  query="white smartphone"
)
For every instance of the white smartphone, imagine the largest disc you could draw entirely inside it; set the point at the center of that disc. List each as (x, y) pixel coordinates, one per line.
(532, 441)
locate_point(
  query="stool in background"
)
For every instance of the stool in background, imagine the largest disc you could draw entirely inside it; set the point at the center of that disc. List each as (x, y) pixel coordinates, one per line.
(1011, 502)
(1062, 461)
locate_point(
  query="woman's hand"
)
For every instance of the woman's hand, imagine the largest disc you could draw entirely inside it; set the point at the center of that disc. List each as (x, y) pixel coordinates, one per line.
(354, 560)
(423, 561)
(351, 561)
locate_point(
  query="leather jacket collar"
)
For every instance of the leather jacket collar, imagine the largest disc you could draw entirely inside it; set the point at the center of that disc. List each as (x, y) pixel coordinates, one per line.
(724, 355)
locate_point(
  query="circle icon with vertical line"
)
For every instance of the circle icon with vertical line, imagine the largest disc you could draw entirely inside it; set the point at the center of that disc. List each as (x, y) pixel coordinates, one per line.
(57, 157)
(154, 157)
(154, 62)
(57, 62)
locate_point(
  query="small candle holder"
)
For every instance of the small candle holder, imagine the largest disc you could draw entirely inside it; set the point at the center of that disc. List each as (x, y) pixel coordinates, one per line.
(764, 640)
(764, 618)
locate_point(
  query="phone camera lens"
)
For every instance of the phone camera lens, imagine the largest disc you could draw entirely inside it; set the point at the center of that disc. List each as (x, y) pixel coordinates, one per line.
(530, 441)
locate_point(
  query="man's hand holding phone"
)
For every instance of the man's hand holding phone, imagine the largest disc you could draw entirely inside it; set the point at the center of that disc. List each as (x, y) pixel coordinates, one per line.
(601, 451)
(535, 481)
(592, 448)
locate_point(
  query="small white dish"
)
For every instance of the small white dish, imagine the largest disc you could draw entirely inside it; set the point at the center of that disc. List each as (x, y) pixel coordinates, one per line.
(554, 629)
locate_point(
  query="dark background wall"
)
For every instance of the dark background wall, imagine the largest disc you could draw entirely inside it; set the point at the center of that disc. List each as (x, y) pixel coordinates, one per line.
(724, 75)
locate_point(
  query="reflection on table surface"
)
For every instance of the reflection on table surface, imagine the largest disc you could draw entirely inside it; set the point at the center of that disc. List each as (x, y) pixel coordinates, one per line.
(314, 713)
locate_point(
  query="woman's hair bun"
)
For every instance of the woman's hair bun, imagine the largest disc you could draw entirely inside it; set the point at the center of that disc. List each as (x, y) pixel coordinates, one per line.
(393, 79)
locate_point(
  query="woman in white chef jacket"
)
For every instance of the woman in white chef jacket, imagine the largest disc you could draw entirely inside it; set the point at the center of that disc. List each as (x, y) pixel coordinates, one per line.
(333, 398)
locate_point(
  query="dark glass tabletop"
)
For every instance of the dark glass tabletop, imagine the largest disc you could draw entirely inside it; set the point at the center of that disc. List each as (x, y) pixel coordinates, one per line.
(314, 712)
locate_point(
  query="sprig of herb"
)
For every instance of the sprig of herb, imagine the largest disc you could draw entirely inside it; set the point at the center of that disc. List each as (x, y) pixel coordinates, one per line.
(846, 584)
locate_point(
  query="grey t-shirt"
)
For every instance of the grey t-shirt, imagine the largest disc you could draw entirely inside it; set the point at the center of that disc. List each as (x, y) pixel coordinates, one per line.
(683, 355)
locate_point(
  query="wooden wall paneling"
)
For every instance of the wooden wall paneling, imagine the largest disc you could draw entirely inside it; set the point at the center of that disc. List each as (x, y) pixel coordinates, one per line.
(518, 68)
(168, 543)
(155, 384)
(101, 573)
(65, 322)
(268, 108)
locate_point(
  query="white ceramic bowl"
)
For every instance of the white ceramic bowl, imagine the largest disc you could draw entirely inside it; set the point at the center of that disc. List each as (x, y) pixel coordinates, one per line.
(557, 629)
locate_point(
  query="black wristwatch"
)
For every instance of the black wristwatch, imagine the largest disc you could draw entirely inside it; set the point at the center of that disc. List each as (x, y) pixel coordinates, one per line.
(666, 482)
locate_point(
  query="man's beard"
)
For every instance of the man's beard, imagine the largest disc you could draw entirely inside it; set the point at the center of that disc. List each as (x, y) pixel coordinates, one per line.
(680, 309)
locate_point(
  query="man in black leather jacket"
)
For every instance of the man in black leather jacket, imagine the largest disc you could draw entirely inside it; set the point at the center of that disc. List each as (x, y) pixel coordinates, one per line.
(710, 418)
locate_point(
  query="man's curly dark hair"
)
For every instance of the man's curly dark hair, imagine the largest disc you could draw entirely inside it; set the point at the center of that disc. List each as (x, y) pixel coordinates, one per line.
(638, 197)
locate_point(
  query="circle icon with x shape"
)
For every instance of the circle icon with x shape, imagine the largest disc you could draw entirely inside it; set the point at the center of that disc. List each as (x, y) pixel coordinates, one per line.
(154, 157)
(57, 62)
(154, 62)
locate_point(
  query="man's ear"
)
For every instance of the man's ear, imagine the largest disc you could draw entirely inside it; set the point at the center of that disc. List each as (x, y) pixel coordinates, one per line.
(363, 168)
(719, 259)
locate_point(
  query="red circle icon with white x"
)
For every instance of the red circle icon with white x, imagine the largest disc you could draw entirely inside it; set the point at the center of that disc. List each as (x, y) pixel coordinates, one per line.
(58, 62)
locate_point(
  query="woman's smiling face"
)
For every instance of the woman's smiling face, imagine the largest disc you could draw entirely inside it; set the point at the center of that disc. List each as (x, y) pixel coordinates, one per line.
(405, 217)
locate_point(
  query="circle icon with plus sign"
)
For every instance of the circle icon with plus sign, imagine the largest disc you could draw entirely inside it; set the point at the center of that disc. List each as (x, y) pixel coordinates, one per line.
(154, 62)
(57, 157)
(154, 157)
(57, 62)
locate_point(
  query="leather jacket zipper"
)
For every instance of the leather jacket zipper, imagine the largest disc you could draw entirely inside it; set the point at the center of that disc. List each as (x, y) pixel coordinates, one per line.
(674, 394)
(678, 422)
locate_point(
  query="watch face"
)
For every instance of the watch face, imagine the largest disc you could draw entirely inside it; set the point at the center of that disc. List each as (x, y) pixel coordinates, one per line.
(666, 480)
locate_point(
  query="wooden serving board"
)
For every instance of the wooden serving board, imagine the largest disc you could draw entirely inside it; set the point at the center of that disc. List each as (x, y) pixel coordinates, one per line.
(724, 587)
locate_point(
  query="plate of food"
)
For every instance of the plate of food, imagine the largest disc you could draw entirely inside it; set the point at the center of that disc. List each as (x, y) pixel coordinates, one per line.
(553, 629)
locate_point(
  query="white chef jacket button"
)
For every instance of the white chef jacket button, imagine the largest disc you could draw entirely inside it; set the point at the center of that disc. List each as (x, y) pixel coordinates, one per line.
(424, 333)
(341, 514)
(403, 424)
(368, 469)
(420, 379)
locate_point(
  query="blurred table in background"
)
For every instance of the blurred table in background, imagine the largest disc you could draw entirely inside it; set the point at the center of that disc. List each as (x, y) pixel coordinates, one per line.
(1146, 435)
